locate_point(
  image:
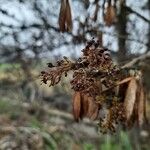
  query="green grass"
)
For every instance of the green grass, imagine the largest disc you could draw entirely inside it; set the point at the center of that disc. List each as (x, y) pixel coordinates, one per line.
(7, 66)
(34, 123)
(6, 106)
(112, 142)
(88, 146)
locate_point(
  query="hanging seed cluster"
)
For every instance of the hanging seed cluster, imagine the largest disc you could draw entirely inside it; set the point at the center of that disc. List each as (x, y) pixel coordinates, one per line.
(109, 14)
(102, 90)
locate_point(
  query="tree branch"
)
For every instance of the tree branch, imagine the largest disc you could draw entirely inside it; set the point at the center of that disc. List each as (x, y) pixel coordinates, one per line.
(137, 14)
(137, 59)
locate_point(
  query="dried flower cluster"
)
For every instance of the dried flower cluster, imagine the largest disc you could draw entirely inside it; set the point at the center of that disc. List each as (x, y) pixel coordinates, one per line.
(102, 90)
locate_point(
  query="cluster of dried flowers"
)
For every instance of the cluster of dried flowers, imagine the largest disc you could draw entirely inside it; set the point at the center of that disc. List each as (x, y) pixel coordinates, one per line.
(102, 90)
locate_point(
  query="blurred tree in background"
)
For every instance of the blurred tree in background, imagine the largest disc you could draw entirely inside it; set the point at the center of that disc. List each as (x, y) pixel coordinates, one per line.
(30, 37)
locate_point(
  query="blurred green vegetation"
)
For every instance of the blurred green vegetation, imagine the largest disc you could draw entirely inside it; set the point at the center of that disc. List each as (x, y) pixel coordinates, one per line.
(6, 66)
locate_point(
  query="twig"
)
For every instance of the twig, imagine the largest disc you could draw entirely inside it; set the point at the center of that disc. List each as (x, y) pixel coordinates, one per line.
(119, 83)
(136, 13)
(135, 60)
(4, 12)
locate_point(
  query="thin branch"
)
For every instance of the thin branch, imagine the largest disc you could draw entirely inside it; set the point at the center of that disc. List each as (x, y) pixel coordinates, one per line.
(137, 59)
(137, 14)
(4, 12)
(48, 26)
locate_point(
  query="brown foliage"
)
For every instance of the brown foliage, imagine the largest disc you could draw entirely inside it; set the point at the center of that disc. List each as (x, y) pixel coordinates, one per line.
(100, 85)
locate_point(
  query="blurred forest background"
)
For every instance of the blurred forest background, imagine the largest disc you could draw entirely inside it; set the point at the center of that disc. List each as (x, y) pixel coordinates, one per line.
(36, 117)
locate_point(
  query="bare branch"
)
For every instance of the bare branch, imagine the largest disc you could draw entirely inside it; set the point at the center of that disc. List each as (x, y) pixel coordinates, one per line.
(137, 14)
(135, 60)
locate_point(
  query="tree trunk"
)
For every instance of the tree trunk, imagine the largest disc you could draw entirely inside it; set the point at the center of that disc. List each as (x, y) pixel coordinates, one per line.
(149, 26)
(121, 27)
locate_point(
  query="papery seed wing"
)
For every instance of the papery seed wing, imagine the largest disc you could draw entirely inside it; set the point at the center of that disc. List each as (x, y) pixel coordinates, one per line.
(62, 16)
(95, 114)
(130, 98)
(145, 117)
(110, 15)
(135, 113)
(84, 105)
(141, 106)
(77, 105)
(93, 109)
(68, 17)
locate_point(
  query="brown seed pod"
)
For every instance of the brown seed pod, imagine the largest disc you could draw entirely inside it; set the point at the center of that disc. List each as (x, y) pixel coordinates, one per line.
(77, 105)
(93, 109)
(62, 16)
(68, 17)
(84, 105)
(65, 17)
(110, 15)
(141, 106)
(130, 98)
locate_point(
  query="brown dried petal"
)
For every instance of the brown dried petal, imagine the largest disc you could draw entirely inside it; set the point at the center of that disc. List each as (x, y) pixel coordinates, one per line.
(110, 15)
(95, 114)
(62, 16)
(93, 109)
(77, 105)
(130, 98)
(84, 105)
(68, 17)
(141, 106)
